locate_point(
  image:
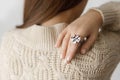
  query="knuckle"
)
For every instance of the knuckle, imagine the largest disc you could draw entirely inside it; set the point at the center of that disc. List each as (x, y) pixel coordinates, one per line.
(60, 35)
(65, 39)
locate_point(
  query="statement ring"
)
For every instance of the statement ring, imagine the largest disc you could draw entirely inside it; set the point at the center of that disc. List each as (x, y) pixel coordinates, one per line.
(77, 39)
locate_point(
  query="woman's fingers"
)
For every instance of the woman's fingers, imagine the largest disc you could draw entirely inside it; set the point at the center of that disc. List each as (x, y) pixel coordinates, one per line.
(88, 44)
(60, 38)
(71, 51)
(65, 45)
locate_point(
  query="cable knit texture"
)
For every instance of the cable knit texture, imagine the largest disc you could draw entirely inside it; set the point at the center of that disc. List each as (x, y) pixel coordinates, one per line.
(111, 12)
(29, 54)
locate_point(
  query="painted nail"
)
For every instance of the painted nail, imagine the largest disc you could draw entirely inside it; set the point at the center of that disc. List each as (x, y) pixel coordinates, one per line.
(65, 61)
(60, 56)
(68, 59)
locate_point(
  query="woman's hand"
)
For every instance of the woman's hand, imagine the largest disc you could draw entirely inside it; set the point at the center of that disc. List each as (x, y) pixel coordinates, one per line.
(86, 26)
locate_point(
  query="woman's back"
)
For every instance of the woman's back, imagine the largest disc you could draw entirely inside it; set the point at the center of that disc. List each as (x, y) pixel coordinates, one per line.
(29, 54)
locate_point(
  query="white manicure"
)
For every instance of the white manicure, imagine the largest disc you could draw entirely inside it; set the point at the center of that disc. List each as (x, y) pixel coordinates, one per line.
(68, 58)
(61, 56)
(65, 61)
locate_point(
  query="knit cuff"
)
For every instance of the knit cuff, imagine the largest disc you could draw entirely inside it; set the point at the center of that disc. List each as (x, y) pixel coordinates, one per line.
(108, 15)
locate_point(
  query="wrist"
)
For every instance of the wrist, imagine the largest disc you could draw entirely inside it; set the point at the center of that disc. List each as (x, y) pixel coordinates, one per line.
(97, 16)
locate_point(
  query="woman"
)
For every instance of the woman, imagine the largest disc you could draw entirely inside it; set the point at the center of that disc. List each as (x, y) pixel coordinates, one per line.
(28, 52)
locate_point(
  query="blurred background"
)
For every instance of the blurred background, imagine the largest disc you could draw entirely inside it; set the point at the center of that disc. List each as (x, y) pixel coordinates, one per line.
(11, 14)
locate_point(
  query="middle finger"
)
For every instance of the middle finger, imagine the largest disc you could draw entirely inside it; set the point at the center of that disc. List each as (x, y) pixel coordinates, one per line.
(72, 49)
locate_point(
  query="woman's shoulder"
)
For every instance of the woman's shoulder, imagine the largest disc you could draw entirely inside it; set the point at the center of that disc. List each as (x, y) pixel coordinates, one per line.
(9, 36)
(15, 31)
(6, 39)
(108, 40)
(9, 33)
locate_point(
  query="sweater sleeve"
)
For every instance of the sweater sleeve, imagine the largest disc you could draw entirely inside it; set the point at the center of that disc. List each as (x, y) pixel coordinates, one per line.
(4, 75)
(111, 15)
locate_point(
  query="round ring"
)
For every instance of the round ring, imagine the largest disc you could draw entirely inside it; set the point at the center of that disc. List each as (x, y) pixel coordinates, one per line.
(77, 39)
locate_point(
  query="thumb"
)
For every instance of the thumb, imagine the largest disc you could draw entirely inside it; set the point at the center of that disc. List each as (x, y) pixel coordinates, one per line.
(88, 44)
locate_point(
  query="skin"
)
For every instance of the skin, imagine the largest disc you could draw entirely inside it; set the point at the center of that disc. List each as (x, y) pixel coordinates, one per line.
(86, 25)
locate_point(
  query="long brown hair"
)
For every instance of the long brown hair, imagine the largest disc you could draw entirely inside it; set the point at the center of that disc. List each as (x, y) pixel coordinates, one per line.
(39, 11)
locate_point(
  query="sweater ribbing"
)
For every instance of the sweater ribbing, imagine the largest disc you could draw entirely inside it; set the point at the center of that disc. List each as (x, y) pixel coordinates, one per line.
(111, 12)
(40, 37)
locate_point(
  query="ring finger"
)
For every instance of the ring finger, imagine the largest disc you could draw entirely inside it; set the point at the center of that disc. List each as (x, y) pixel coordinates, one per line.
(72, 49)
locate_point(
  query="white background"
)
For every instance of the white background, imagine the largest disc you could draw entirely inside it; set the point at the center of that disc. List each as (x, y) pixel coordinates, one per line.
(11, 12)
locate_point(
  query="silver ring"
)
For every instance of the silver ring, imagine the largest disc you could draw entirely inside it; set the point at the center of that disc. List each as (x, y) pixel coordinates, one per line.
(77, 39)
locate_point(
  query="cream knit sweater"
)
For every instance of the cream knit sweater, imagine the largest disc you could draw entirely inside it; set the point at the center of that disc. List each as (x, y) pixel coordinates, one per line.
(29, 54)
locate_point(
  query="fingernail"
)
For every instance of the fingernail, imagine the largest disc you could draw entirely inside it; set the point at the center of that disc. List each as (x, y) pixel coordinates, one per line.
(60, 56)
(65, 61)
(83, 51)
(68, 59)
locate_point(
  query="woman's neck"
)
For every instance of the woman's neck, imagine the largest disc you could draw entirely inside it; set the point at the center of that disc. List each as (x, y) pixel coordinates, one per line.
(62, 17)
(67, 16)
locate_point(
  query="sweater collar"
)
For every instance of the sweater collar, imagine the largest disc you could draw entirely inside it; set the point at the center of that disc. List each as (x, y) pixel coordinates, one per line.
(39, 37)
